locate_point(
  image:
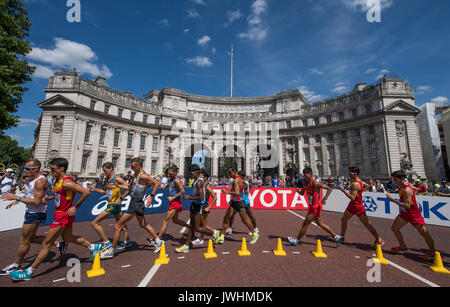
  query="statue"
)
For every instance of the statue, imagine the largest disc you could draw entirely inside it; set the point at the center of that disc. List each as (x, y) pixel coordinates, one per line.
(407, 167)
(58, 124)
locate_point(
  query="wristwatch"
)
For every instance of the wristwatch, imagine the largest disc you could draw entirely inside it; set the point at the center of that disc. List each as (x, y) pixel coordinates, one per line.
(18, 198)
(152, 195)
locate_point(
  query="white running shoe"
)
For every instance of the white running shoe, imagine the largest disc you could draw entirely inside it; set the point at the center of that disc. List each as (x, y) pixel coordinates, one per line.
(229, 231)
(198, 242)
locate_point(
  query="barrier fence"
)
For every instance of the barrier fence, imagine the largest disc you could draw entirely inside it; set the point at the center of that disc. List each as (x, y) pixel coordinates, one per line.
(435, 210)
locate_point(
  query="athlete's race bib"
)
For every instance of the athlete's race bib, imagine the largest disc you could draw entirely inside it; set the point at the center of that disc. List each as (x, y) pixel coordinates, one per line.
(109, 194)
(57, 200)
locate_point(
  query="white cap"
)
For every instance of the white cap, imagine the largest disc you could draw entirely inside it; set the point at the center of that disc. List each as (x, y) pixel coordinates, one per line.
(10, 170)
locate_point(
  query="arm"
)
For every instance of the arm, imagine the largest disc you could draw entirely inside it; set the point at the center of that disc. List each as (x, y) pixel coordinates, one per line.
(148, 180)
(199, 187)
(236, 189)
(406, 204)
(69, 185)
(213, 195)
(325, 187)
(101, 191)
(123, 185)
(355, 189)
(179, 187)
(39, 194)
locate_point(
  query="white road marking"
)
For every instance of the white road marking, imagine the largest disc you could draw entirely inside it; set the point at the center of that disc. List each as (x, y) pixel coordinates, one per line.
(296, 252)
(180, 257)
(391, 263)
(357, 257)
(126, 266)
(225, 253)
(149, 276)
(301, 217)
(57, 280)
(266, 252)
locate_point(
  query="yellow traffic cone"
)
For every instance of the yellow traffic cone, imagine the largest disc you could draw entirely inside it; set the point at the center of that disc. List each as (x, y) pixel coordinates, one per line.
(438, 267)
(97, 270)
(163, 259)
(244, 251)
(380, 258)
(210, 253)
(279, 251)
(319, 253)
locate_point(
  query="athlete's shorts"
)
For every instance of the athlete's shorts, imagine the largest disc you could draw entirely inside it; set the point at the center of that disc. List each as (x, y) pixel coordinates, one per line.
(31, 218)
(176, 204)
(114, 209)
(357, 209)
(136, 207)
(62, 219)
(198, 208)
(413, 218)
(247, 206)
(239, 206)
(315, 209)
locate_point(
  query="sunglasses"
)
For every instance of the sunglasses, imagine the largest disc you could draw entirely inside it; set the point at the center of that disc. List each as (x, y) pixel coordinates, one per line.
(29, 168)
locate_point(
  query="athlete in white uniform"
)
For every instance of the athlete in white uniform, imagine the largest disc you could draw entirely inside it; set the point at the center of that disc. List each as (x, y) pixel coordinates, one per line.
(35, 192)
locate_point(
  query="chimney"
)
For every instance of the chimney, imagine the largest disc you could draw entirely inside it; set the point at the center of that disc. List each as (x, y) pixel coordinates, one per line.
(100, 81)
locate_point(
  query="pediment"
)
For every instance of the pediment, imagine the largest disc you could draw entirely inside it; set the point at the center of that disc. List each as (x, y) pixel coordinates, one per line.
(401, 106)
(57, 101)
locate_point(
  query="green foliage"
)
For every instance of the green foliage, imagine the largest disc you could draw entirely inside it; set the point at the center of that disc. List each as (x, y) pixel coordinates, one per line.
(12, 153)
(14, 69)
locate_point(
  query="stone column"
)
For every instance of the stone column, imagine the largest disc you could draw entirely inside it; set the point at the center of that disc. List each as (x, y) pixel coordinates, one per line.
(415, 147)
(149, 150)
(325, 157)
(123, 152)
(182, 155)
(44, 137)
(337, 155)
(79, 146)
(95, 141)
(280, 157)
(351, 153)
(109, 143)
(301, 159)
(162, 153)
(248, 171)
(365, 153)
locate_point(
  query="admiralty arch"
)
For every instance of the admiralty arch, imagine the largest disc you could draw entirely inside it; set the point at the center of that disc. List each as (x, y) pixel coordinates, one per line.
(373, 127)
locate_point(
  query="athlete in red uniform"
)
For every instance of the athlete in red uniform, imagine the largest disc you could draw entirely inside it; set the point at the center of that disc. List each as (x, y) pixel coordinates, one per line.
(315, 206)
(410, 214)
(65, 189)
(356, 206)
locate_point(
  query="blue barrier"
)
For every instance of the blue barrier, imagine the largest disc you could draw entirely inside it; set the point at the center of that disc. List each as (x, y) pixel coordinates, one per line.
(96, 203)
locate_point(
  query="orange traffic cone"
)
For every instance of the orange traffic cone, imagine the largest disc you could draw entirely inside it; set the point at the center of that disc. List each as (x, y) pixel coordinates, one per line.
(438, 267)
(96, 268)
(319, 252)
(279, 251)
(244, 251)
(163, 259)
(380, 258)
(210, 253)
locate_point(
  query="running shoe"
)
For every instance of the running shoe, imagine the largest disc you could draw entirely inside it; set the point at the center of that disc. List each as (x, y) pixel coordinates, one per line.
(378, 242)
(105, 246)
(198, 242)
(229, 231)
(124, 245)
(10, 268)
(221, 239)
(340, 241)
(398, 249)
(95, 251)
(107, 254)
(293, 241)
(427, 256)
(255, 237)
(183, 249)
(216, 236)
(62, 248)
(256, 229)
(158, 246)
(151, 242)
(20, 275)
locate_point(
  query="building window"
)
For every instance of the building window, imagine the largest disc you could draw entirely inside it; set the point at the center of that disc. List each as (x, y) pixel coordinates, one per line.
(341, 115)
(316, 121)
(306, 154)
(172, 139)
(114, 162)
(328, 119)
(330, 137)
(306, 140)
(84, 161)
(189, 126)
(87, 135)
(130, 140)
(106, 110)
(305, 123)
(174, 123)
(331, 154)
(128, 163)
(120, 113)
(99, 163)
(143, 139)
(116, 138)
(319, 154)
(368, 109)
(145, 120)
(157, 121)
(374, 168)
(371, 130)
(354, 113)
(343, 135)
(318, 139)
(92, 106)
(153, 168)
(133, 116)
(155, 144)
(288, 124)
(333, 171)
(102, 136)
(356, 133)
(263, 126)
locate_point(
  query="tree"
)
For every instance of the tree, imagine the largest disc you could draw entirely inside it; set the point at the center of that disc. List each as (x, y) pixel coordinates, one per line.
(12, 153)
(14, 69)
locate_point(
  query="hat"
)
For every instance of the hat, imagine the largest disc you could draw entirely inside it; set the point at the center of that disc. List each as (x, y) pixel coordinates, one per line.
(10, 170)
(418, 180)
(444, 182)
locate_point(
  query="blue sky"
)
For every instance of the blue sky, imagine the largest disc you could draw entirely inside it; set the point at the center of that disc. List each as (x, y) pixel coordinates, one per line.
(321, 47)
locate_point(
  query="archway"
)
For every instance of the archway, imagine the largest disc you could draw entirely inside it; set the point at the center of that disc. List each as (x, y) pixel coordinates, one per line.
(230, 155)
(265, 161)
(199, 154)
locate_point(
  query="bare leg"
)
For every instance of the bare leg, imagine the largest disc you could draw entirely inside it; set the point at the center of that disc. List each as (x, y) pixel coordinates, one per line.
(51, 237)
(246, 221)
(365, 220)
(345, 218)
(325, 226)
(144, 225)
(124, 228)
(422, 229)
(398, 224)
(28, 232)
(119, 226)
(98, 228)
(169, 216)
(309, 219)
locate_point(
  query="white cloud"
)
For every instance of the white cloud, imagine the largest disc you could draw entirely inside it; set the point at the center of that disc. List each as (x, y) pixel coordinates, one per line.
(42, 72)
(422, 89)
(192, 13)
(27, 122)
(382, 73)
(257, 31)
(164, 23)
(315, 71)
(311, 96)
(199, 2)
(204, 41)
(200, 61)
(232, 17)
(213, 50)
(186, 31)
(340, 89)
(370, 70)
(68, 55)
(441, 101)
(362, 4)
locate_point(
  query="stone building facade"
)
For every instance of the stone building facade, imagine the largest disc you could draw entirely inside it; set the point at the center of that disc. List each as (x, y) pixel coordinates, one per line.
(373, 127)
